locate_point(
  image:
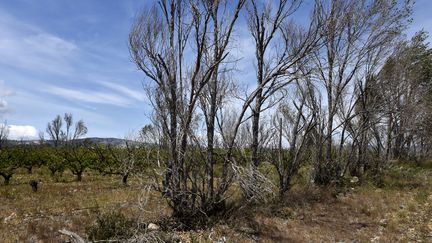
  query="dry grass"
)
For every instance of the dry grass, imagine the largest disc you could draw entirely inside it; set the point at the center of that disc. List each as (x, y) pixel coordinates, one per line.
(26, 215)
(401, 210)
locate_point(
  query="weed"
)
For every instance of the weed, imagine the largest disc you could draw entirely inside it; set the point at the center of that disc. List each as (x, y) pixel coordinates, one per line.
(422, 196)
(111, 225)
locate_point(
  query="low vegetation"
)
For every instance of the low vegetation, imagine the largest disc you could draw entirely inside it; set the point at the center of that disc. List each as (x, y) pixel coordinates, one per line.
(101, 207)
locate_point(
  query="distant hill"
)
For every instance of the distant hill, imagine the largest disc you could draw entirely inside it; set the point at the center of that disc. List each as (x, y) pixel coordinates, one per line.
(97, 140)
(106, 141)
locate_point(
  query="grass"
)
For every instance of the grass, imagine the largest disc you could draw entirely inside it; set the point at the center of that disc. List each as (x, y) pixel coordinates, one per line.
(400, 209)
(56, 205)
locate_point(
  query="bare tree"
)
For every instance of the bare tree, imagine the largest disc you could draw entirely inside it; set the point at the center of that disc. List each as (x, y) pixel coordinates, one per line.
(129, 157)
(41, 136)
(54, 130)
(58, 134)
(4, 134)
(352, 31)
(272, 29)
(157, 44)
(295, 120)
(80, 130)
(321, 77)
(68, 120)
(75, 154)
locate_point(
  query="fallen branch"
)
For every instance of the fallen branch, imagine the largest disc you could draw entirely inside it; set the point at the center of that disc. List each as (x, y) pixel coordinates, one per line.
(74, 236)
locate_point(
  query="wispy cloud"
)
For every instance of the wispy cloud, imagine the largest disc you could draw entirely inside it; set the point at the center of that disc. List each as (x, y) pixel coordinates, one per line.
(4, 92)
(50, 109)
(49, 45)
(89, 96)
(135, 94)
(3, 106)
(27, 47)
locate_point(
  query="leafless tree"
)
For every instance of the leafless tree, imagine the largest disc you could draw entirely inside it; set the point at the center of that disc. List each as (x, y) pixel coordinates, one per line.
(281, 47)
(68, 120)
(352, 34)
(74, 153)
(54, 130)
(157, 43)
(295, 120)
(321, 78)
(58, 134)
(41, 136)
(4, 134)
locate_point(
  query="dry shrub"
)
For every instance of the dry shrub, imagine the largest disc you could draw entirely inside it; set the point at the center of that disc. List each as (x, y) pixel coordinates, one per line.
(255, 186)
(111, 226)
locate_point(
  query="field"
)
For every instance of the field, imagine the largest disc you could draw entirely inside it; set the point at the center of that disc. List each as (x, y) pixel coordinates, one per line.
(400, 210)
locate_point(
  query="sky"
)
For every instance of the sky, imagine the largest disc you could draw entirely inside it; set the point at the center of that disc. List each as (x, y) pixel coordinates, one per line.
(60, 56)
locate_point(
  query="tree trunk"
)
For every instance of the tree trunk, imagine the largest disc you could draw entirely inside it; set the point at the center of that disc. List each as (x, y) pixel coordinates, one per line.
(329, 132)
(389, 138)
(79, 175)
(255, 131)
(125, 179)
(210, 157)
(256, 111)
(210, 135)
(6, 178)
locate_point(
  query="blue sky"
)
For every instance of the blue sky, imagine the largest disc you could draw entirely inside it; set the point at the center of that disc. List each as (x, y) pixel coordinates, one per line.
(60, 56)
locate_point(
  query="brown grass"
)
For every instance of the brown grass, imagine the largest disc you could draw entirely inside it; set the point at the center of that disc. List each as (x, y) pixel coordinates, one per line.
(399, 211)
(26, 215)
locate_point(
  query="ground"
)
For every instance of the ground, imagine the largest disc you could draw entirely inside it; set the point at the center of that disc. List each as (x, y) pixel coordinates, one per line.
(399, 210)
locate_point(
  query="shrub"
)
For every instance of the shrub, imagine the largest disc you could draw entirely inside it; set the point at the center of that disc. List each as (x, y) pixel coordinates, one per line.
(111, 226)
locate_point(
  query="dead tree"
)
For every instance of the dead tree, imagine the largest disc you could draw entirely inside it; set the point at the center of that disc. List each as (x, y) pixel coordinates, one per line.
(295, 122)
(54, 130)
(60, 134)
(352, 30)
(65, 140)
(280, 48)
(4, 134)
(157, 44)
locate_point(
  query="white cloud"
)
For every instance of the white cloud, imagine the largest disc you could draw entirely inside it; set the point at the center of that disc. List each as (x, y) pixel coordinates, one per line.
(3, 106)
(49, 45)
(31, 111)
(61, 72)
(89, 96)
(22, 132)
(4, 92)
(138, 95)
(28, 47)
